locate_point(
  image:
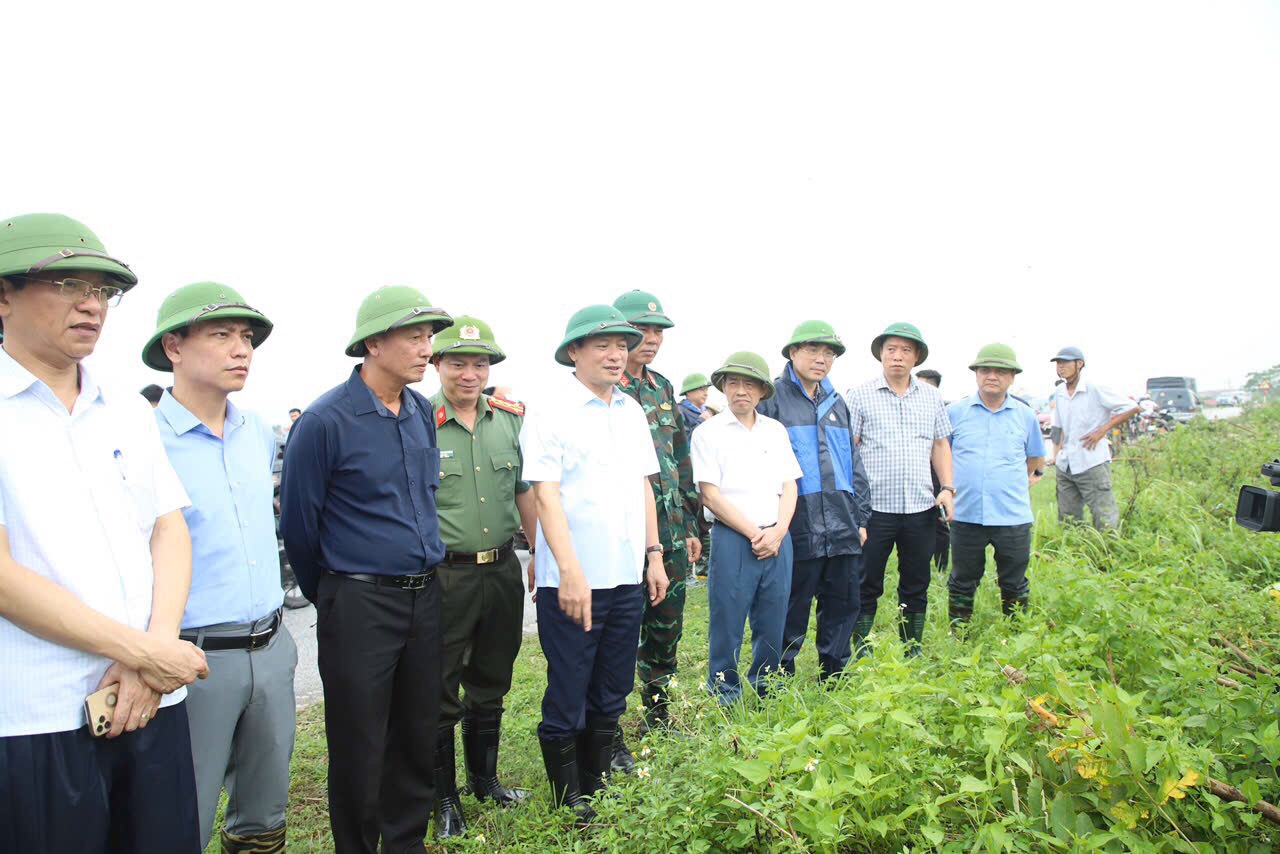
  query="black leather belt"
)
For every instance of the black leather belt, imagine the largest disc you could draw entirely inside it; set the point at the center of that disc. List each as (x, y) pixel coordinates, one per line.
(404, 582)
(490, 556)
(251, 641)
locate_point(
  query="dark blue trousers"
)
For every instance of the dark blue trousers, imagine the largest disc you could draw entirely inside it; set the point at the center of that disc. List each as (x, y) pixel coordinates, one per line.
(836, 582)
(588, 672)
(69, 791)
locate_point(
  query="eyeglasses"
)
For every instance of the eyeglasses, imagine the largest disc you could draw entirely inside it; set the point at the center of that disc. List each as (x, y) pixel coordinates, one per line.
(818, 350)
(78, 290)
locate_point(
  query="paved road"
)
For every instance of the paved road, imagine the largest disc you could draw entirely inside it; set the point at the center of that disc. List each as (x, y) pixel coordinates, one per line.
(301, 623)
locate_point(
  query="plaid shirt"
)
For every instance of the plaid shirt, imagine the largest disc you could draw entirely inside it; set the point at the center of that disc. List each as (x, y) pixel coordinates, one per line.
(897, 441)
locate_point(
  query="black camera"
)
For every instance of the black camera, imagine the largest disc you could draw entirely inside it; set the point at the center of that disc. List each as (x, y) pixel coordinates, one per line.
(1258, 509)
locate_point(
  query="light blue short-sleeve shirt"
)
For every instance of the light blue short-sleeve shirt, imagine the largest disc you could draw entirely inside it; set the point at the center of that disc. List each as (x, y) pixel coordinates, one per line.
(989, 453)
(600, 454)
(235, 558)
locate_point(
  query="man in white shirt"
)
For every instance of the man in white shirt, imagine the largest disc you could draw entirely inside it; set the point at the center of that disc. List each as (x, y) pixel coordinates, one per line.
(589, 456)
(95, 564)
(1085, 416)
(746, 472)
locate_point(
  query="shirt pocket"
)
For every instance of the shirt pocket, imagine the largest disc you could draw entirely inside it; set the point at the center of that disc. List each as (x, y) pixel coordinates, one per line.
(450, 492)
(506, 465)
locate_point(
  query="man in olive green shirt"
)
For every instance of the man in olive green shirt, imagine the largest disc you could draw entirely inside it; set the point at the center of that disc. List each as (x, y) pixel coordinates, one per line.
(481, 502)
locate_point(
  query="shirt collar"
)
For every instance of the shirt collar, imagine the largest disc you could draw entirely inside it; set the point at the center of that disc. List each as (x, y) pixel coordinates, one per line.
(450, 414)
(365, 402)
(183, 421)
(689, 404)
(643, 379)
(976, 400)
(883, 382)
(15, 379)
(1081, 388)
(583, 396)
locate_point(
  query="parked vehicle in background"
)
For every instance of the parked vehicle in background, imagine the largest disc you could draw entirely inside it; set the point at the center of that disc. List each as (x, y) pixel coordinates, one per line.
(1176, 394)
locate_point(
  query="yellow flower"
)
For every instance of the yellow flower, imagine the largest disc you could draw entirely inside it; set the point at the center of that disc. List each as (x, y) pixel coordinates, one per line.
(1177, 788)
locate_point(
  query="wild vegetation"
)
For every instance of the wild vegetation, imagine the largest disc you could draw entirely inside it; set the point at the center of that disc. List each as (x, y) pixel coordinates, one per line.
(1133, 707)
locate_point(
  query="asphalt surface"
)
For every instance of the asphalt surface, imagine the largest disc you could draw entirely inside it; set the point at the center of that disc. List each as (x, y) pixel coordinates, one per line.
(302, 625)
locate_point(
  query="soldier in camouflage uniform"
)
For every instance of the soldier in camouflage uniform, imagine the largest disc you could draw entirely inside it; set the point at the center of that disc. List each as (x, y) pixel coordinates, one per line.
(677, 501)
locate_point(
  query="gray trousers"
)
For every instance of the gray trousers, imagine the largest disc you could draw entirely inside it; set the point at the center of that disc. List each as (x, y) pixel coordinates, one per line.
(242, 721)
(1091, 487)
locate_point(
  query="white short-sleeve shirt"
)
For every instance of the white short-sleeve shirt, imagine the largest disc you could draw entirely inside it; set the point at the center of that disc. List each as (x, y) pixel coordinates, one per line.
(80, 492)
(750, 466)
(599, 454)
(1080, 414)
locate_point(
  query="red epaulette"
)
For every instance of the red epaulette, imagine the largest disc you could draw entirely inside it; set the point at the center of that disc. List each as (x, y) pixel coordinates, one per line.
(625, 381)
(507, 405)
(440, 416)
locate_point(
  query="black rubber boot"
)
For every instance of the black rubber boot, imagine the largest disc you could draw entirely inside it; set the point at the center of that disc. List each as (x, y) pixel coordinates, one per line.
(449, 819)
(959, 609)
(1010, 605)
(560, 756)
(620, 755)
(597, 753)
(480, 750)
(271, 842)
(911, 630)
(657, 716)
(861, 629)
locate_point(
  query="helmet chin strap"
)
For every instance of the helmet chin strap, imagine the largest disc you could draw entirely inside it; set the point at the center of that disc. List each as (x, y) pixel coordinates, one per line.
(63, 254)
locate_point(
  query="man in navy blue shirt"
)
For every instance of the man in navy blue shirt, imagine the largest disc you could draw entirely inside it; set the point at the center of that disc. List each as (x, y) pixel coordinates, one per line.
(833, 503)
(358, 517)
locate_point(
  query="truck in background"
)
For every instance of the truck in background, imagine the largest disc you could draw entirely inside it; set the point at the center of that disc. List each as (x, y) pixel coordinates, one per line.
(1176, 394)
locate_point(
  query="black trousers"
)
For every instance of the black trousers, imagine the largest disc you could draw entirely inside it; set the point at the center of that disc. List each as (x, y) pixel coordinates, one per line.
(969, 558)
(913, 535)
(69, 791)
(836, 582)
(379, 657)
(942, 545)
(588, 672)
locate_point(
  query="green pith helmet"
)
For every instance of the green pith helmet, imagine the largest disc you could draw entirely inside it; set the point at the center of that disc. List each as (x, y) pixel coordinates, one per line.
(693, 382)
(746, 364)
(900, 330)
(641, 308)
(817, 331)
(468, 336)
(595, 320)
(201, 301)
(390, 308)
(35, 242)
(996, 356)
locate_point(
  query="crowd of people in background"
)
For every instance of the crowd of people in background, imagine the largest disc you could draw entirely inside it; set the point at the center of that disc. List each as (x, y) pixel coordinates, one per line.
(148, 665)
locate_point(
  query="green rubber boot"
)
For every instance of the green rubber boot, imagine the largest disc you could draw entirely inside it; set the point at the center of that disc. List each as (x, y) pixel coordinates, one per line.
(861, 629)
(960, 609)
(911, 630)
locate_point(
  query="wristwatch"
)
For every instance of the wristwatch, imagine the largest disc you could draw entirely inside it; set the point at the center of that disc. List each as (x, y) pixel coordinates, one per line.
(1038, 472)
(654, 549)
(950, 489)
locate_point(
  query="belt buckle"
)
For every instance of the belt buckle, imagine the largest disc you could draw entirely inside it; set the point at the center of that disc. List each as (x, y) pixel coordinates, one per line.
(487, 557)
(417, 582)
(260, 639)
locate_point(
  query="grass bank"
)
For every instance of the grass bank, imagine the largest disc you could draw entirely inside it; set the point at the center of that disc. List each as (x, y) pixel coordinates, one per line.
(1095, 721)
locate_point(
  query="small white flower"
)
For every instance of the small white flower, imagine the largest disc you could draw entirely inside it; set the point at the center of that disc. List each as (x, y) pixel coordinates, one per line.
(674, 683)
(698, 716)
(646, 752)
(720, 676)
(480, 838)
(642, 773)
(812, 765)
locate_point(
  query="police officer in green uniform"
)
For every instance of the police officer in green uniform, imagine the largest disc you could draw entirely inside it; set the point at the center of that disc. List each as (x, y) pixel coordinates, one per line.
(482, 502)
(677, 502)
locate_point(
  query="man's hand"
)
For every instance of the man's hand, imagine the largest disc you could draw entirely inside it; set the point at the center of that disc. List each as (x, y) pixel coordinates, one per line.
(1033, 478)
(767, 543)
(1090, 440)
(656, 578)
(168, 663)
(136, 703)
(862, 536)
(947, 501)
(694, 546)
(532, 581)
(575, 596)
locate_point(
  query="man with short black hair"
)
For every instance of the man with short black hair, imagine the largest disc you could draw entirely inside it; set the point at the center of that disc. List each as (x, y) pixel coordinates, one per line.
(152, 393)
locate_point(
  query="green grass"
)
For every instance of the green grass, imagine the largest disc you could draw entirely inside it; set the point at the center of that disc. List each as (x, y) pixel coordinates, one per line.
(944, 752)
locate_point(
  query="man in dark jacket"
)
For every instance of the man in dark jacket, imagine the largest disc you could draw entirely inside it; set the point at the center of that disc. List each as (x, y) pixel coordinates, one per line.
(828, 528)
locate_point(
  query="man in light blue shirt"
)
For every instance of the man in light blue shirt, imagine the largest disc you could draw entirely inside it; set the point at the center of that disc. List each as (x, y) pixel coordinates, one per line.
(589, 456)
(997, 454)
(242, 718)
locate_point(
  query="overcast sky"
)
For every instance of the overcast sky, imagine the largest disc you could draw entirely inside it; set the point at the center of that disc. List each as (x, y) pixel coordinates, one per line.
(1098, 174)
